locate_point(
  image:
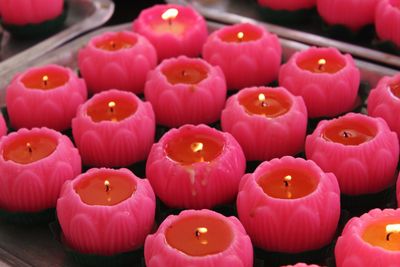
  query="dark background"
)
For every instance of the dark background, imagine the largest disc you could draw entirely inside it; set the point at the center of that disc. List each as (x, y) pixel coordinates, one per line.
(127, 10)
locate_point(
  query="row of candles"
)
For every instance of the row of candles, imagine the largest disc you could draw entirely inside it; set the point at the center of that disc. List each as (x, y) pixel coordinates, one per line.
(384, 14)
(287, 204)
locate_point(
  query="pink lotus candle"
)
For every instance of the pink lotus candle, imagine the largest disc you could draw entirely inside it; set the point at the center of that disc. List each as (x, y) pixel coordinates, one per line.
(353, 14)
(289, 205)
(117, 60)
(114, 128)
(46, 96)
(247, 53)
(180, 88)
(267, 122)
(327, 80)
(20, 12)
(387, 21)
(173, 30)
(384, 102)
(361, 151)
(199, 238)
(34, 164)
(106, 211)
(371, 240)
(288, 5)
(195, 167)
(3, 126)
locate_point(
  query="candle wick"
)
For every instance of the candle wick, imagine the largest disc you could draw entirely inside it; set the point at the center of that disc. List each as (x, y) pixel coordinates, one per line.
(388, 236)
(113, 44)
(28, 145)
(197, 233)
(321, 64)
(45, 80)
(111, 106)
(287, 179)
(286, 183)
(346, 134)
(264, 104)
(184, 73)
(107, 185)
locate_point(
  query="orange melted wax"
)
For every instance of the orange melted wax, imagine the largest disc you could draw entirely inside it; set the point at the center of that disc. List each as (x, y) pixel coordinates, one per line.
(186, 73)
(29, 148)
(199, 235)
(240, 35)
(45, 79)
(191, 148)
(106, 189)
(321, 64)
(395, 88)
(288, 183)
(376, 234)
(111, 110)
(349, 133)
(117, 42)
(268, 104)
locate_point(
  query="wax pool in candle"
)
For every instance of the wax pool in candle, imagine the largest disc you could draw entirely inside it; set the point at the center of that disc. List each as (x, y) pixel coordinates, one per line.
(318, 64)
(29, 149)
(43, 79)
(117, 42)
(383, 234)
(105, 189)
(199, 235)
(288, 183)
(268, 104)
(111, 110)
(239, 36)
(189, 149)
(185, 73)
(350, 133)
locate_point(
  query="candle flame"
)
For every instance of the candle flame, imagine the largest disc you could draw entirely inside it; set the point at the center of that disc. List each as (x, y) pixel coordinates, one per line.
(392, 229)
(111, 105)
(261, 97)
(202, 230)
(321, 64)
(107, 185)
(170, 14)
(287, 179)
(240, 36)
(45, 79)
(197, 147)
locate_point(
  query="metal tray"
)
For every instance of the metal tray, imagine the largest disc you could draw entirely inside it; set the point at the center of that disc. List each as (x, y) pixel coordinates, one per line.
(237, 11)
(34, 245)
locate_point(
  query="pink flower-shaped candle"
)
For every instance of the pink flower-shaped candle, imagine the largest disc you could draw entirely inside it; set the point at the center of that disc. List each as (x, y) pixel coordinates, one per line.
(361, 151)
(288, 5)
(106, 211)
(22, 12)
(247, 53)
(173, 30)
(34, 164)
(371, 240)
(327, 80)
(201, 238)
(267, 122)
(387, 21)
(289, 205)
(46, 96)
(114, 128)
(117, 60)
(3, 125)
(186, 91)
(384, 101)
(195, 167)
(353, 14)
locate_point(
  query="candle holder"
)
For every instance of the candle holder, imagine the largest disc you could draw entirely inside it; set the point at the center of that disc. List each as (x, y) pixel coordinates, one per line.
(37, 30)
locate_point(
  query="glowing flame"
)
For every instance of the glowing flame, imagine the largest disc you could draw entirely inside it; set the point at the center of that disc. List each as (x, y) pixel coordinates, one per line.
(107, 185)
(197, 147)
(202, 230)
(170, 14)
(288, 178)
(240, 36)
(261, 97)
(45, 79)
